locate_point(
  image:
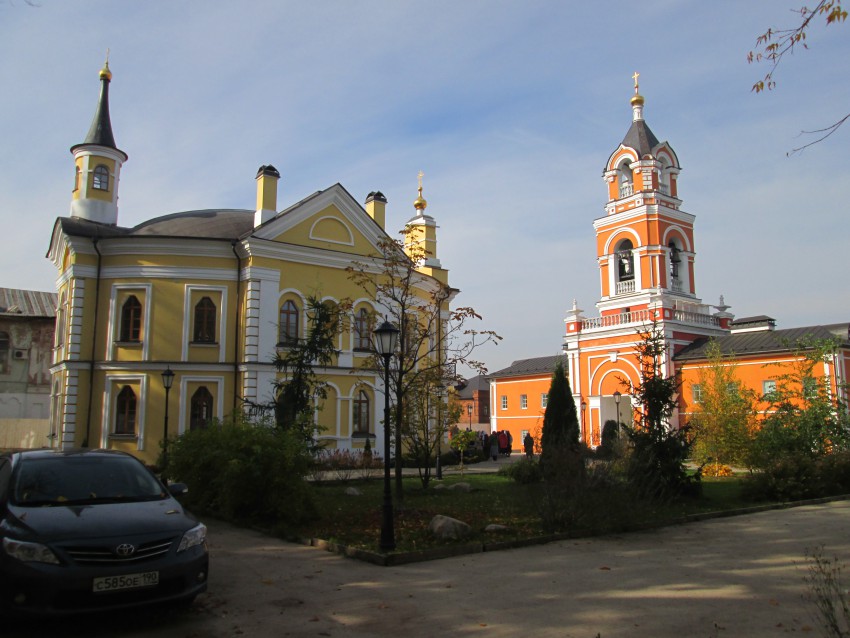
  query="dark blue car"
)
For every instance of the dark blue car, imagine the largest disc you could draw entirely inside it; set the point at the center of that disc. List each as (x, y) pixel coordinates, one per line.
(88, 530)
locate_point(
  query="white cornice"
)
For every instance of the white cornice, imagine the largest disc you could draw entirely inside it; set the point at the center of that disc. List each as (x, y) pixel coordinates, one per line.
(641, 212)
(167, 272)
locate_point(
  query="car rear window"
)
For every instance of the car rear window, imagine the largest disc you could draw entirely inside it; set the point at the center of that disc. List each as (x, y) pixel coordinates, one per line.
(66, 479)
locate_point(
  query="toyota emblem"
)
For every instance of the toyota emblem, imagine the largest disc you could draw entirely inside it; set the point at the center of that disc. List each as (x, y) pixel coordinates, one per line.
(125, 549)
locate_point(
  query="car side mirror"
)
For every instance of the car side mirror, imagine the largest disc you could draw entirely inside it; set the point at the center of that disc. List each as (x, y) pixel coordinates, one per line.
(178, 489)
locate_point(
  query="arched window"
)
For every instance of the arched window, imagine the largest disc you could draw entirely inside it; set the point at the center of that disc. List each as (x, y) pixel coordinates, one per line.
(59, 337)
(361, 413)
(675, 260)
(288, 324)
(4, 352)
(131, 319)
(125, 411)
(362, 330)
(664, 175)
(625, 261)
(204, 321)
(100, 178)
(201, 409)
(624, 178)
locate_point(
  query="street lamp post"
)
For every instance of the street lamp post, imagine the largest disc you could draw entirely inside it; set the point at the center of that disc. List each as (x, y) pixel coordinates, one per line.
(469, 412)
(583, 427)
(617, 397)
(167, 382)
(386, 337)
(441, 428)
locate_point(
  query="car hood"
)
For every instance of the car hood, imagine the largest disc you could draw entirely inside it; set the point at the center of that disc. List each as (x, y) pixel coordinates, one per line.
(76, 522)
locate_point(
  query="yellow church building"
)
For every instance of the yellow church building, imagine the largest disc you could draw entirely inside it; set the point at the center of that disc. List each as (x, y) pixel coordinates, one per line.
(210, 296)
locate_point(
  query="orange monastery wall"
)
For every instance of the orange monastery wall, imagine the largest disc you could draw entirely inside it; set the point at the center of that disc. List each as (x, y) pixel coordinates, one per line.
(755, 372)
(514, 418)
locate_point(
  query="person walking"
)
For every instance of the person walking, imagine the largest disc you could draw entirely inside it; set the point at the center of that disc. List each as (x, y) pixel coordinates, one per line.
(528, 444)
(494, 446)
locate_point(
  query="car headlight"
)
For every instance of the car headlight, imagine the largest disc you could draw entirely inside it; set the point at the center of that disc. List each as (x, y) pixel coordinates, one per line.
(195, 536)
(29, 552)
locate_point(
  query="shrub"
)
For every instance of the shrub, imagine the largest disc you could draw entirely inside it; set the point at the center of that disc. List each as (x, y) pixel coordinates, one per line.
(716, 469)
(610, 436)
(793, 477)
(244, 472)
(524, 471)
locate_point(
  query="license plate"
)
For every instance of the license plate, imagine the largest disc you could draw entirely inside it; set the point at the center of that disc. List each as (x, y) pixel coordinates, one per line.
(127, 581)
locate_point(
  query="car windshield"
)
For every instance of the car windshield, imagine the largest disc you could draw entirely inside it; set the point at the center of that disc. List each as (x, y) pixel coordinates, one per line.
(82, 479)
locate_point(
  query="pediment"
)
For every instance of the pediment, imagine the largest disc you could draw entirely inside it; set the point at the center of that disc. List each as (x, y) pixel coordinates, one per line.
(330, 219)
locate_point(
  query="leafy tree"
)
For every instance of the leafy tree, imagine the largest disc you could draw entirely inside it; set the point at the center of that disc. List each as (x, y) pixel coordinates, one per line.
(806, 416)
(433, 339)
(657, 464)
(427, 423)
(461, 440)
(775, 44)
(299, 388)
(724, 420)
(559, 442)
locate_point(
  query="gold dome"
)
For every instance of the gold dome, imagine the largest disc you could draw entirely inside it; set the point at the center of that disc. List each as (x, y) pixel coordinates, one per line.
(637, 100)
(419, 203)
(105, 72)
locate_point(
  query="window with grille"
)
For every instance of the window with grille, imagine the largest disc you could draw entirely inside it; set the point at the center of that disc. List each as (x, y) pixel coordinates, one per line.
(131, 319)
(125, 412)
(288, 324)
(362, 330)
(201, 409)
(361, 412)
(100, 178)
(205, 321)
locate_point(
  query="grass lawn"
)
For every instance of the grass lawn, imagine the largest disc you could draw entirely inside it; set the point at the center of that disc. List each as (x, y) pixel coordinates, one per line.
(356, 520)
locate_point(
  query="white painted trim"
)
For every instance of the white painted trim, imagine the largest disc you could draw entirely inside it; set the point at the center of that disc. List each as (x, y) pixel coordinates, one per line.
(315, 237)
(113, 326)
(185, 399)
(189, 316)
(111, 381)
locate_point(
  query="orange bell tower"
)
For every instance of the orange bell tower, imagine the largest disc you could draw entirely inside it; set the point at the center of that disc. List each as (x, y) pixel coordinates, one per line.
(645, 254)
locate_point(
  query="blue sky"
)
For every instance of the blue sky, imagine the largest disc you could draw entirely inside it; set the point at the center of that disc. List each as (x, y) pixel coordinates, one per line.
(510, 108)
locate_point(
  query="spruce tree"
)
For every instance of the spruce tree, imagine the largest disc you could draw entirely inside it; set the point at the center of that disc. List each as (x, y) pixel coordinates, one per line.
(560, 425)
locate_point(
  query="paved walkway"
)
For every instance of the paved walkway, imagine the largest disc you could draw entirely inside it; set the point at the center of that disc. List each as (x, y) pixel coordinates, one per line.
(730, 577)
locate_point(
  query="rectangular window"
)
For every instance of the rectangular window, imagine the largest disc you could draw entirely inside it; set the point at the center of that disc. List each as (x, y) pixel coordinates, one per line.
(768, 389)
(697, 392)
(523, 401)
(544, 400)
(810, 388)
(504, 402)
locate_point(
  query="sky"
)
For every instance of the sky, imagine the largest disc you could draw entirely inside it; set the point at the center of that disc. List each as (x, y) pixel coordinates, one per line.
(510, 109)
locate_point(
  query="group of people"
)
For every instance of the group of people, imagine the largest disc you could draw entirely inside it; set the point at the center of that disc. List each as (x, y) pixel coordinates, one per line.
(498, 443)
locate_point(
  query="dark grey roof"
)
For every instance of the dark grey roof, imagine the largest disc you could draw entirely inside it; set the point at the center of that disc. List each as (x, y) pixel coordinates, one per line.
(765, 341)
(27, 303)
(741, 321)
(206, 224)
(640, 138)
(195, 224)
(477, 383)
(538, 365)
